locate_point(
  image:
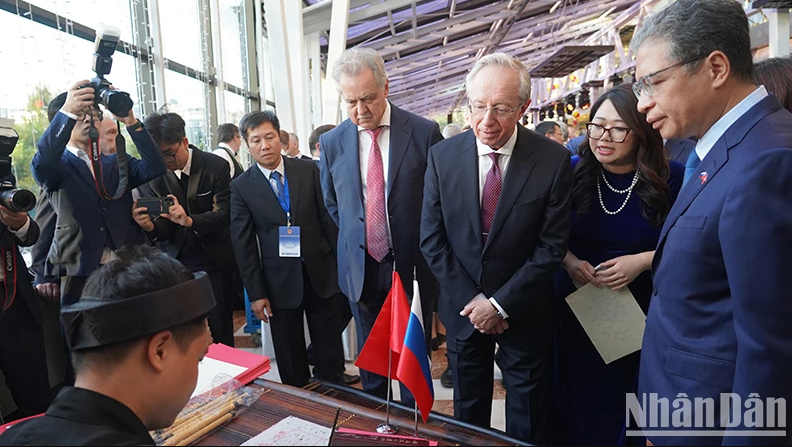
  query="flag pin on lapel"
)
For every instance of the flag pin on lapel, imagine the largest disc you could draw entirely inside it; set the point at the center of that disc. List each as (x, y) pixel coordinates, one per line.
(703, 177)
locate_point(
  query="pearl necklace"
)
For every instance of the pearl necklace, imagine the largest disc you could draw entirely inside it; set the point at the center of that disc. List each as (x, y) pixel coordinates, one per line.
(627, 191)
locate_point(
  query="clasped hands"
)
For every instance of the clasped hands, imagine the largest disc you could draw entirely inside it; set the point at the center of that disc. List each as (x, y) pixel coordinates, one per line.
(484, 317)
(175, 214)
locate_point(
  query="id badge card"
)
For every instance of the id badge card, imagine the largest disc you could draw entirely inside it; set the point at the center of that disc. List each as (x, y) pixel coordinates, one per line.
(289, 242)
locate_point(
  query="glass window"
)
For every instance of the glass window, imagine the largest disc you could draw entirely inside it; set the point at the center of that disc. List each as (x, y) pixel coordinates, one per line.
(235, 107)
(92, 13)
(269, 89)
(186, 96)
(232, 35)
(181, 32)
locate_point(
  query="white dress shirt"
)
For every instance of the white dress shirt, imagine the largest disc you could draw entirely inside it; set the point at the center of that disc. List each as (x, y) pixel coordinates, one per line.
(107, 253)
(364, 147)
(485, 164)
(268, 172)
(720, 127)
(186, 168)
(222, 153)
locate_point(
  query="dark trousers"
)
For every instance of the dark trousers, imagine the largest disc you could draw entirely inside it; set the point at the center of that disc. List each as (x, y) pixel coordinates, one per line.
(71, 290)
(527, 368)
(376, 285)
(324, 325)
(221, 317)
(23, 359)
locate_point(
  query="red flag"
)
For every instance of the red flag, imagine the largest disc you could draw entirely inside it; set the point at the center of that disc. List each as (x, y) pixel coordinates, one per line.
(388, 333)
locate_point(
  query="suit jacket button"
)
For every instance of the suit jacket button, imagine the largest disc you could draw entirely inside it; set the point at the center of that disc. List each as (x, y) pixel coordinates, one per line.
(485, 260)
(362, 219)
(104, 208)
(101, 229)
(362, 247)
(654, 291)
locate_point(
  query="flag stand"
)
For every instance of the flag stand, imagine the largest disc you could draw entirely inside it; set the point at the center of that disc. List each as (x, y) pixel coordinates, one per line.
(387, 428)
(416, 419)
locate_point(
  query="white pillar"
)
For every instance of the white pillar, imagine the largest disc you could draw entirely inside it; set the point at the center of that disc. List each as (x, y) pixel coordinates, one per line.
(779, 32)
(315, 58)
(217, 56)
(279, 58)
(339, 21)
(156, 49)
(298, 61)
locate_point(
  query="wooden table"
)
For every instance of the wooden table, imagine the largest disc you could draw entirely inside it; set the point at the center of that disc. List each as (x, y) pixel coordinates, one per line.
(358, 411)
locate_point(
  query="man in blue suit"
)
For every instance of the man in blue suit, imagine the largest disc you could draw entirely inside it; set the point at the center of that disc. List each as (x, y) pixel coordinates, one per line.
(89, 225)
(372, 173)
(718, 328)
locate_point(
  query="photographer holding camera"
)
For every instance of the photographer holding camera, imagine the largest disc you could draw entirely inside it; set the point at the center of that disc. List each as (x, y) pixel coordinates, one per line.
(191, 211)
(91, 223)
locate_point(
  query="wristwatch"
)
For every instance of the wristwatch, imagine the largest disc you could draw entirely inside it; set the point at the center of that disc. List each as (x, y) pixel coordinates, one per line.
(134, 127)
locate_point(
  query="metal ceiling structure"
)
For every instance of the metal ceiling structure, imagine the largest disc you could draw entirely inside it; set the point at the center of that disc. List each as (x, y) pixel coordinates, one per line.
(429, 45)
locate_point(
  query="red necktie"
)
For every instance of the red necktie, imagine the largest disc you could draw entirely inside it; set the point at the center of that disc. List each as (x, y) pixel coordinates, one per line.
(489, 199)
(376, 215)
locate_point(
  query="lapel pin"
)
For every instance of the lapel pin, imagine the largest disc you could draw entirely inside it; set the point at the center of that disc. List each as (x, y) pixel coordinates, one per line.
(703, 177)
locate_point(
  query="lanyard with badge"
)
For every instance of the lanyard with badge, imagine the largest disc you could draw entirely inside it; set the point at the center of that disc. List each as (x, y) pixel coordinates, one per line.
(288, 236)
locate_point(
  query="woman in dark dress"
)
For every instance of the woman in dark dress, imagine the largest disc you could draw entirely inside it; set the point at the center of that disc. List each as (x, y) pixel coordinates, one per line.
(623, 190)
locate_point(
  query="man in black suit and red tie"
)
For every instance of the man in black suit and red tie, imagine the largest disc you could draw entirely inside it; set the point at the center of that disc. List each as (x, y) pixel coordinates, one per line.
(283, 241)
(494, 230)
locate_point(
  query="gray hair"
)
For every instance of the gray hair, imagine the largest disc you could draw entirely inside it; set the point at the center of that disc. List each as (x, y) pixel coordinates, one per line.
(502, 60)
(696, 28)
(355, 61)
(451, 129)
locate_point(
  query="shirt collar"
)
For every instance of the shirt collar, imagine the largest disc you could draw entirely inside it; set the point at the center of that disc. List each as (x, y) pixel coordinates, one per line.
(386, 118)
(77, 152)
(268, 172)
(720, 127)
(90, 407)
(227, 147)
(507, 148)
(186, 168)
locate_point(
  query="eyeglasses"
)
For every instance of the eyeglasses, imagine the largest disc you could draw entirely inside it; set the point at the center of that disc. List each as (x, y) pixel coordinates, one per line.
(644, 84)
(172, 156)
(95, 112)
(616, 134)
(498, 111)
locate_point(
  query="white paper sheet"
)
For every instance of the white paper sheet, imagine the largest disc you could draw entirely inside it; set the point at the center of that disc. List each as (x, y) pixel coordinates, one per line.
(209, 368)
(292, 431)
(613, 320)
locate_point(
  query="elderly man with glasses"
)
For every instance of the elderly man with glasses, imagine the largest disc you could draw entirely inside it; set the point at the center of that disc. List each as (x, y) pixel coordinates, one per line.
(494, 230)
(719, 317)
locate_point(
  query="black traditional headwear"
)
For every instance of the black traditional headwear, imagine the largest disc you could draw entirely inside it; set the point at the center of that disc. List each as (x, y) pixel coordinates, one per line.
(93, 322)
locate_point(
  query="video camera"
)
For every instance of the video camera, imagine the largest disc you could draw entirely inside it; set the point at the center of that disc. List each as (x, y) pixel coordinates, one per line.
(117, 102)
(18, 200)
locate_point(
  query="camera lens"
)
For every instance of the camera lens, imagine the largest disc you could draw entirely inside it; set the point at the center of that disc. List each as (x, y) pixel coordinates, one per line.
(18, 200)
(118, 103)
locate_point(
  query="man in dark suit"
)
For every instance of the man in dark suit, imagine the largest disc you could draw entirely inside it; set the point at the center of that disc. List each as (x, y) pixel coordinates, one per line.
(91, 221)
(718, 323)
(372, 168)
(293, 149)
(22, 356)
(195, 230)
(494, 230)
(283, 241)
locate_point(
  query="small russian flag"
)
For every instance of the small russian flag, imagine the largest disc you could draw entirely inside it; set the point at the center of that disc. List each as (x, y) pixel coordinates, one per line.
(413, 369)
(703, 177)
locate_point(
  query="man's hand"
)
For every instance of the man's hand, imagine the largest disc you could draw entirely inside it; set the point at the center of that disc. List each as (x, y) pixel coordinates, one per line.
(142, 217)
(49, 292)
(177, 215)
(79, 99)
(259, 307)
(127, 120)
(482, 315)
(12, 219)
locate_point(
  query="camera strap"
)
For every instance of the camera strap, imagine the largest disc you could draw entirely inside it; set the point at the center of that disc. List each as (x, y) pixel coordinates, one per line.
(96, 162)
(10, 284)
